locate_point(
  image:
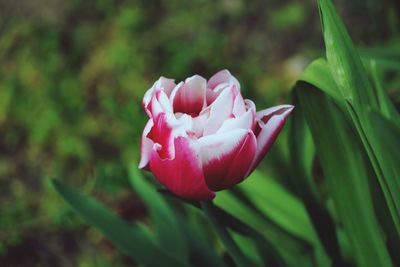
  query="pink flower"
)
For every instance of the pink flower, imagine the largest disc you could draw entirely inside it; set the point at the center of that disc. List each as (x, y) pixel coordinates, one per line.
(202, 136)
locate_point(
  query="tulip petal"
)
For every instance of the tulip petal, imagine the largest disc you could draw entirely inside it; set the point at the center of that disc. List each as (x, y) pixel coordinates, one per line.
(165, 128)
(212, 94)
(162, 84)
(146, 146)
(189, 96)
(160, 103)
(220, 110)
(227, 157)
(182, 175)
(223, 76)
(251, 106)
(165, 84)
(239, 106)
(198, 124)
(185, 121)
(270, 123)
(245, 121)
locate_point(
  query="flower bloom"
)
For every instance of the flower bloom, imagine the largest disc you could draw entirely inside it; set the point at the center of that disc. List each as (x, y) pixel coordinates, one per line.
(202, 136)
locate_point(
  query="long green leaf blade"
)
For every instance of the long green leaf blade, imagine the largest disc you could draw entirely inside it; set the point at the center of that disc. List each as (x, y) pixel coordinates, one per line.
(131, 238)
(346, 174)
(302, 157)
(344, 61)
(352, 80)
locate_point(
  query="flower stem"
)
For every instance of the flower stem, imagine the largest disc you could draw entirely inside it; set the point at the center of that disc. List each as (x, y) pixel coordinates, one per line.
(230, 245)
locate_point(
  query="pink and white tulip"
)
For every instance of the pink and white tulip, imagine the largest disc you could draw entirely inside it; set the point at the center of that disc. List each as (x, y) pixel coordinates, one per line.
(202, 136)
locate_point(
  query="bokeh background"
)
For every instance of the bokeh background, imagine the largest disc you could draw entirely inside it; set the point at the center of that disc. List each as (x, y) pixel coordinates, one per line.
(72, 76)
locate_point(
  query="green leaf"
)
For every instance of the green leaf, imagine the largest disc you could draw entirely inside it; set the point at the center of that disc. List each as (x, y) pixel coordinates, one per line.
(293, 250)
(302, 157)
(384, 58)
(247, 246)
(202, 253)
(133, 239)
(279, 205)
(352, 80)
(385, 105)
(344, 61)
(346, 174)
(267, 252)
(388, 148)
(233, 249)
(318, 74)
(284, 209)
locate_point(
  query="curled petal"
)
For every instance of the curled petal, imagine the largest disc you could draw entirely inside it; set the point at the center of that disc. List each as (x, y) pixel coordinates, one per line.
(251, 106)
(165, 85)
(245, 121)
(146, 146)
(146, 101)
(220, 110)
(270, 123)
(183, 174)
(239, 106)
(227, 157)
(223, 76)
(162, 84)
(266, 114)
(212, 94)
(160, 103)
(165, 128)
(189, 97)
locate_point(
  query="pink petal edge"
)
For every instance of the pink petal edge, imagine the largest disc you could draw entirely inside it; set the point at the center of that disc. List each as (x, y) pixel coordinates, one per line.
(146, 146)
(182, 175)
(227, 157)
(189, 96)
(271, 122)
(223, 76)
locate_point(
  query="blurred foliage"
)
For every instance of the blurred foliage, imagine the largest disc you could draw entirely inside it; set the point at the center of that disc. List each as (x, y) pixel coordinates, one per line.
(72, 76)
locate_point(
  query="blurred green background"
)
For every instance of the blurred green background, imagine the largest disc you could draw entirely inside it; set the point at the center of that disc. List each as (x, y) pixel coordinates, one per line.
(72, 76)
